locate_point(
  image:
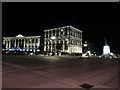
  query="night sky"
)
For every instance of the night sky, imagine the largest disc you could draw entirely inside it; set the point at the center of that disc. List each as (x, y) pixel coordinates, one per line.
(96, 20)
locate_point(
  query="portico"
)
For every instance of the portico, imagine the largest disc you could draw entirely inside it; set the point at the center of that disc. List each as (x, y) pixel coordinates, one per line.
(25, 43)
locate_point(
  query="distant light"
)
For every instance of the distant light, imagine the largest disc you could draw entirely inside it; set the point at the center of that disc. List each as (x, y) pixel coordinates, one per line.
(66, 39)
(3, 49)
(11, 49)
(89, 52)
(106, 50)
(111, 53)
(85, 45)
(61, 29)
(23, 49)
(38, 50)
(53, 37)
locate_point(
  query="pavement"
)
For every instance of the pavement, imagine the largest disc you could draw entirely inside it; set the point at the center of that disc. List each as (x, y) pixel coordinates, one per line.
(58, 72)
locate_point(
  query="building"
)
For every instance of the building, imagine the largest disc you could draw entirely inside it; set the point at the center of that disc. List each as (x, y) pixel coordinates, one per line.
(67, 39)
(23, 43)
(106, 49)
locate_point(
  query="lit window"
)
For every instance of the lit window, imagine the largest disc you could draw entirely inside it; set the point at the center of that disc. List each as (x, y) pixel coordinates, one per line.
(61, 30)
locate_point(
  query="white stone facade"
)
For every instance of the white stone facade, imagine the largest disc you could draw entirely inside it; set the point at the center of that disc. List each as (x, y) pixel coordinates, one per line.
(25, 43)
(68, 37)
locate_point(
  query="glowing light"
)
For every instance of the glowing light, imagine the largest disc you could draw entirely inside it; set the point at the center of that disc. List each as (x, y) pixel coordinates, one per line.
(111, 53)
(23, 49)
(38, 50)
(3, 49)
(85, 45)
(53, 37)
(61, 29)
(106, 50)
(89, 52)
(11, 49)
(66, 39)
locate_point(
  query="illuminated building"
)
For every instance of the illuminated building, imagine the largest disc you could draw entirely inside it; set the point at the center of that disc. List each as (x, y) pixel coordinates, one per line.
(24, 43)
(65, 39)
(106, 49)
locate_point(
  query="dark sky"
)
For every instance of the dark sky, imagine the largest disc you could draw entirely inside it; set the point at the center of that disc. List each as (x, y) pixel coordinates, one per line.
(96, 20)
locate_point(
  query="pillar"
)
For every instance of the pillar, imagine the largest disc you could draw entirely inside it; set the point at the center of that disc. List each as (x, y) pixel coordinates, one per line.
(15, 43)
(24, 43)
(63, 45)
(9, 43)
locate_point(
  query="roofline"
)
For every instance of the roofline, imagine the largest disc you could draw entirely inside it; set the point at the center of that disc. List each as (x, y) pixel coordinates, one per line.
(21, 37)
(63, 27)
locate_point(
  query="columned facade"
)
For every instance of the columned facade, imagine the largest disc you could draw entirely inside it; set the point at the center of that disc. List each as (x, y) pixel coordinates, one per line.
(65, 39)
(24, 43)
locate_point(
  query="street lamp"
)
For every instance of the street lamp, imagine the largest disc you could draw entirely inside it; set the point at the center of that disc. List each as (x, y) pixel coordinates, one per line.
(85, 45)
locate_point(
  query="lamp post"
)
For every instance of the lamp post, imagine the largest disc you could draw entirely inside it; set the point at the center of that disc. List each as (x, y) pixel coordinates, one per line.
(85, 47)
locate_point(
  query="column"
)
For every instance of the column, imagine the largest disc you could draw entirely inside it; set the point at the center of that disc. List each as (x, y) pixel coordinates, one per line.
(9, 43)
(28, 41)
(5, 43)
(34, 42)
(38, 42)
(63, 45)
(24, 43)
(48, 45)
(45, 34)
(55, 32)
(15, 43)
(48, 32)
(21, 42)
(51, 45)
(18, 43)
(30, 44)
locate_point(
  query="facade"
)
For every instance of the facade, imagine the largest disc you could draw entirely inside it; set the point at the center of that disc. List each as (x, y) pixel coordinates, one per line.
(24, 43)
(65, 39)
(106, 48)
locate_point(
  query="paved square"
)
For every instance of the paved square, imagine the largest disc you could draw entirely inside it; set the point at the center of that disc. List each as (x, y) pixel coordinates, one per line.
(58, 72)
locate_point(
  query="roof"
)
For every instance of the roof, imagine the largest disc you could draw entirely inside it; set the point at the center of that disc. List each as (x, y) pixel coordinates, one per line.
(19, 35)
